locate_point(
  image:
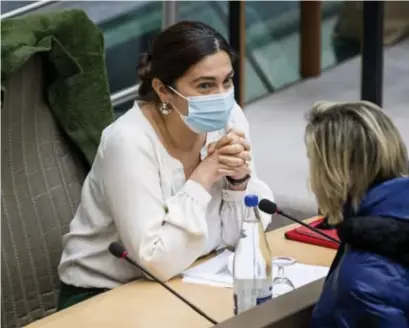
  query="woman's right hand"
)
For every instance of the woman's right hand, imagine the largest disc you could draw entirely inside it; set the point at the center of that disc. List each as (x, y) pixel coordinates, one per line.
(218, 165)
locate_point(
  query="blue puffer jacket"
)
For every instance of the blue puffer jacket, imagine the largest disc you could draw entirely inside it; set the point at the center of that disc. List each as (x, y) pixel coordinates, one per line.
(369, 286)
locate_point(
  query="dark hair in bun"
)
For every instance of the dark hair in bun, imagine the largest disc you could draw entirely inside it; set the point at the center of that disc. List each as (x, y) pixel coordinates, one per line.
(174, 51)
(144, 73)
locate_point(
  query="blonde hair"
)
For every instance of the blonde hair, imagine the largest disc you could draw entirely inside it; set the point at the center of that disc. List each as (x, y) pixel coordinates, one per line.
(351, 146)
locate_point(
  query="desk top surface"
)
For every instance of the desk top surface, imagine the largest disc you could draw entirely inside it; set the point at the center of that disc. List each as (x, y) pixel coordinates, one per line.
(147, 304)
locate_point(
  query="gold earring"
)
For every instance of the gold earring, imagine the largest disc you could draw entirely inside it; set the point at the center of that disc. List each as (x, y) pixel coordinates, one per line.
(164, 108)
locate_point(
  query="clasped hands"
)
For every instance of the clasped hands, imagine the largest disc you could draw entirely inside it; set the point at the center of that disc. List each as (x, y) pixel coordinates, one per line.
(233, 152)
(227, 157)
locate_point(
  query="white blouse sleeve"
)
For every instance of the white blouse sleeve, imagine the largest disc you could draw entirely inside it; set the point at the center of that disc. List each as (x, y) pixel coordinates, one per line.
(164, 235)
(232, 209)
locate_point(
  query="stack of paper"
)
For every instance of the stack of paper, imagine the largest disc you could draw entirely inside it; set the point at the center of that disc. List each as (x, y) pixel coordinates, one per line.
(216, 272)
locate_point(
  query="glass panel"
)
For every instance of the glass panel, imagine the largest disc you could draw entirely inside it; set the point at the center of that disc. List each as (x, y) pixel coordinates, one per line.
(272, 39)
(345, 25)
(330, 56)
(127, 36)
(7, 6)
(215, 13)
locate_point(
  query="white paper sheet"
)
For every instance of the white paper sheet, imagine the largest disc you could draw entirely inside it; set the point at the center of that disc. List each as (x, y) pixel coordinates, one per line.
(215, 272)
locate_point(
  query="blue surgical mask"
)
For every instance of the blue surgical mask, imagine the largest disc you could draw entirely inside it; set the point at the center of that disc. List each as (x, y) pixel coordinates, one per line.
(208, 113)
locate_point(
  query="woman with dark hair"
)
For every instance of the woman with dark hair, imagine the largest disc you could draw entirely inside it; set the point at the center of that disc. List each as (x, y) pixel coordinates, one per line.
(170, 175)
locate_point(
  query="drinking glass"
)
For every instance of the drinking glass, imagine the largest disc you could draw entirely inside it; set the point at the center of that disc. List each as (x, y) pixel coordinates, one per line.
(282, 284)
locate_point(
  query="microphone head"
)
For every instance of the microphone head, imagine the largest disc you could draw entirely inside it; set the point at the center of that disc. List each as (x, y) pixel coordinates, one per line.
(116, 249)
(267, 206)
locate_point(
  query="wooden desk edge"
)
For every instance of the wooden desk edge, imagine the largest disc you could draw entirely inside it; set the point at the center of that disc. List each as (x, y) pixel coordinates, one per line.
(280, 312)
(274, 311)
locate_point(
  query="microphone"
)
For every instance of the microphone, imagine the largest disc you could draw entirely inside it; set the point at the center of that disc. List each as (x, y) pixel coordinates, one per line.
(271, 208)
(117, 250)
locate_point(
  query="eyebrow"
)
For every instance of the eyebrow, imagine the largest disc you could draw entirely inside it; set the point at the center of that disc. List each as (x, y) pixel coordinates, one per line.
(212, 78)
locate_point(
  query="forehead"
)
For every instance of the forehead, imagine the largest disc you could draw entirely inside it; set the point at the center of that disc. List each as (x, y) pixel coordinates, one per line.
(217, 65)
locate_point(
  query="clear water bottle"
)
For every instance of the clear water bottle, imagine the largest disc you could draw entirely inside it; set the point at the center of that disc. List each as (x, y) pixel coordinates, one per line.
(252, 264)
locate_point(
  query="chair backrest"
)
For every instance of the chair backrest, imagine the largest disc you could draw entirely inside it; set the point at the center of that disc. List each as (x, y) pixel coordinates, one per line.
(41, 178)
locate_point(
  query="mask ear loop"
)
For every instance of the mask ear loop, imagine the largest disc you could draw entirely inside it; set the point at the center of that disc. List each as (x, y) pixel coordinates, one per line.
(180, 95)
(177, 92)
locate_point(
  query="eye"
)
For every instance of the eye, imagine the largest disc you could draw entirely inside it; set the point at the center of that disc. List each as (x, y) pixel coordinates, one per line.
(205, 86)
(228, 82)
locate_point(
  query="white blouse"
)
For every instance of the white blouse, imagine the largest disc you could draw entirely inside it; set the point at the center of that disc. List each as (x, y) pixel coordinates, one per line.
(136, 193)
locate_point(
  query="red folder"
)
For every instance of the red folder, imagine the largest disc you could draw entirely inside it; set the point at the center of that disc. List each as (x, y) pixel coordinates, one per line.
(304, 235)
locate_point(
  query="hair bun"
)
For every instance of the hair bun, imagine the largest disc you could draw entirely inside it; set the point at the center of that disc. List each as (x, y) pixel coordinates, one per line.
(144, 67)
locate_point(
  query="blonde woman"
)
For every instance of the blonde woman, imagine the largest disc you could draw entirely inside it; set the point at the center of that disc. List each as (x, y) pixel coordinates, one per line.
(359, 175)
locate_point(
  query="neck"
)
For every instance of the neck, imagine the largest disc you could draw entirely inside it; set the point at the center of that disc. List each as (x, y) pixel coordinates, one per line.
(179, 135)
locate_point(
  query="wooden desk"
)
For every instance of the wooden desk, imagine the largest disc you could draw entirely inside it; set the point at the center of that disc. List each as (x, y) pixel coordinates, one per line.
(146, 304)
